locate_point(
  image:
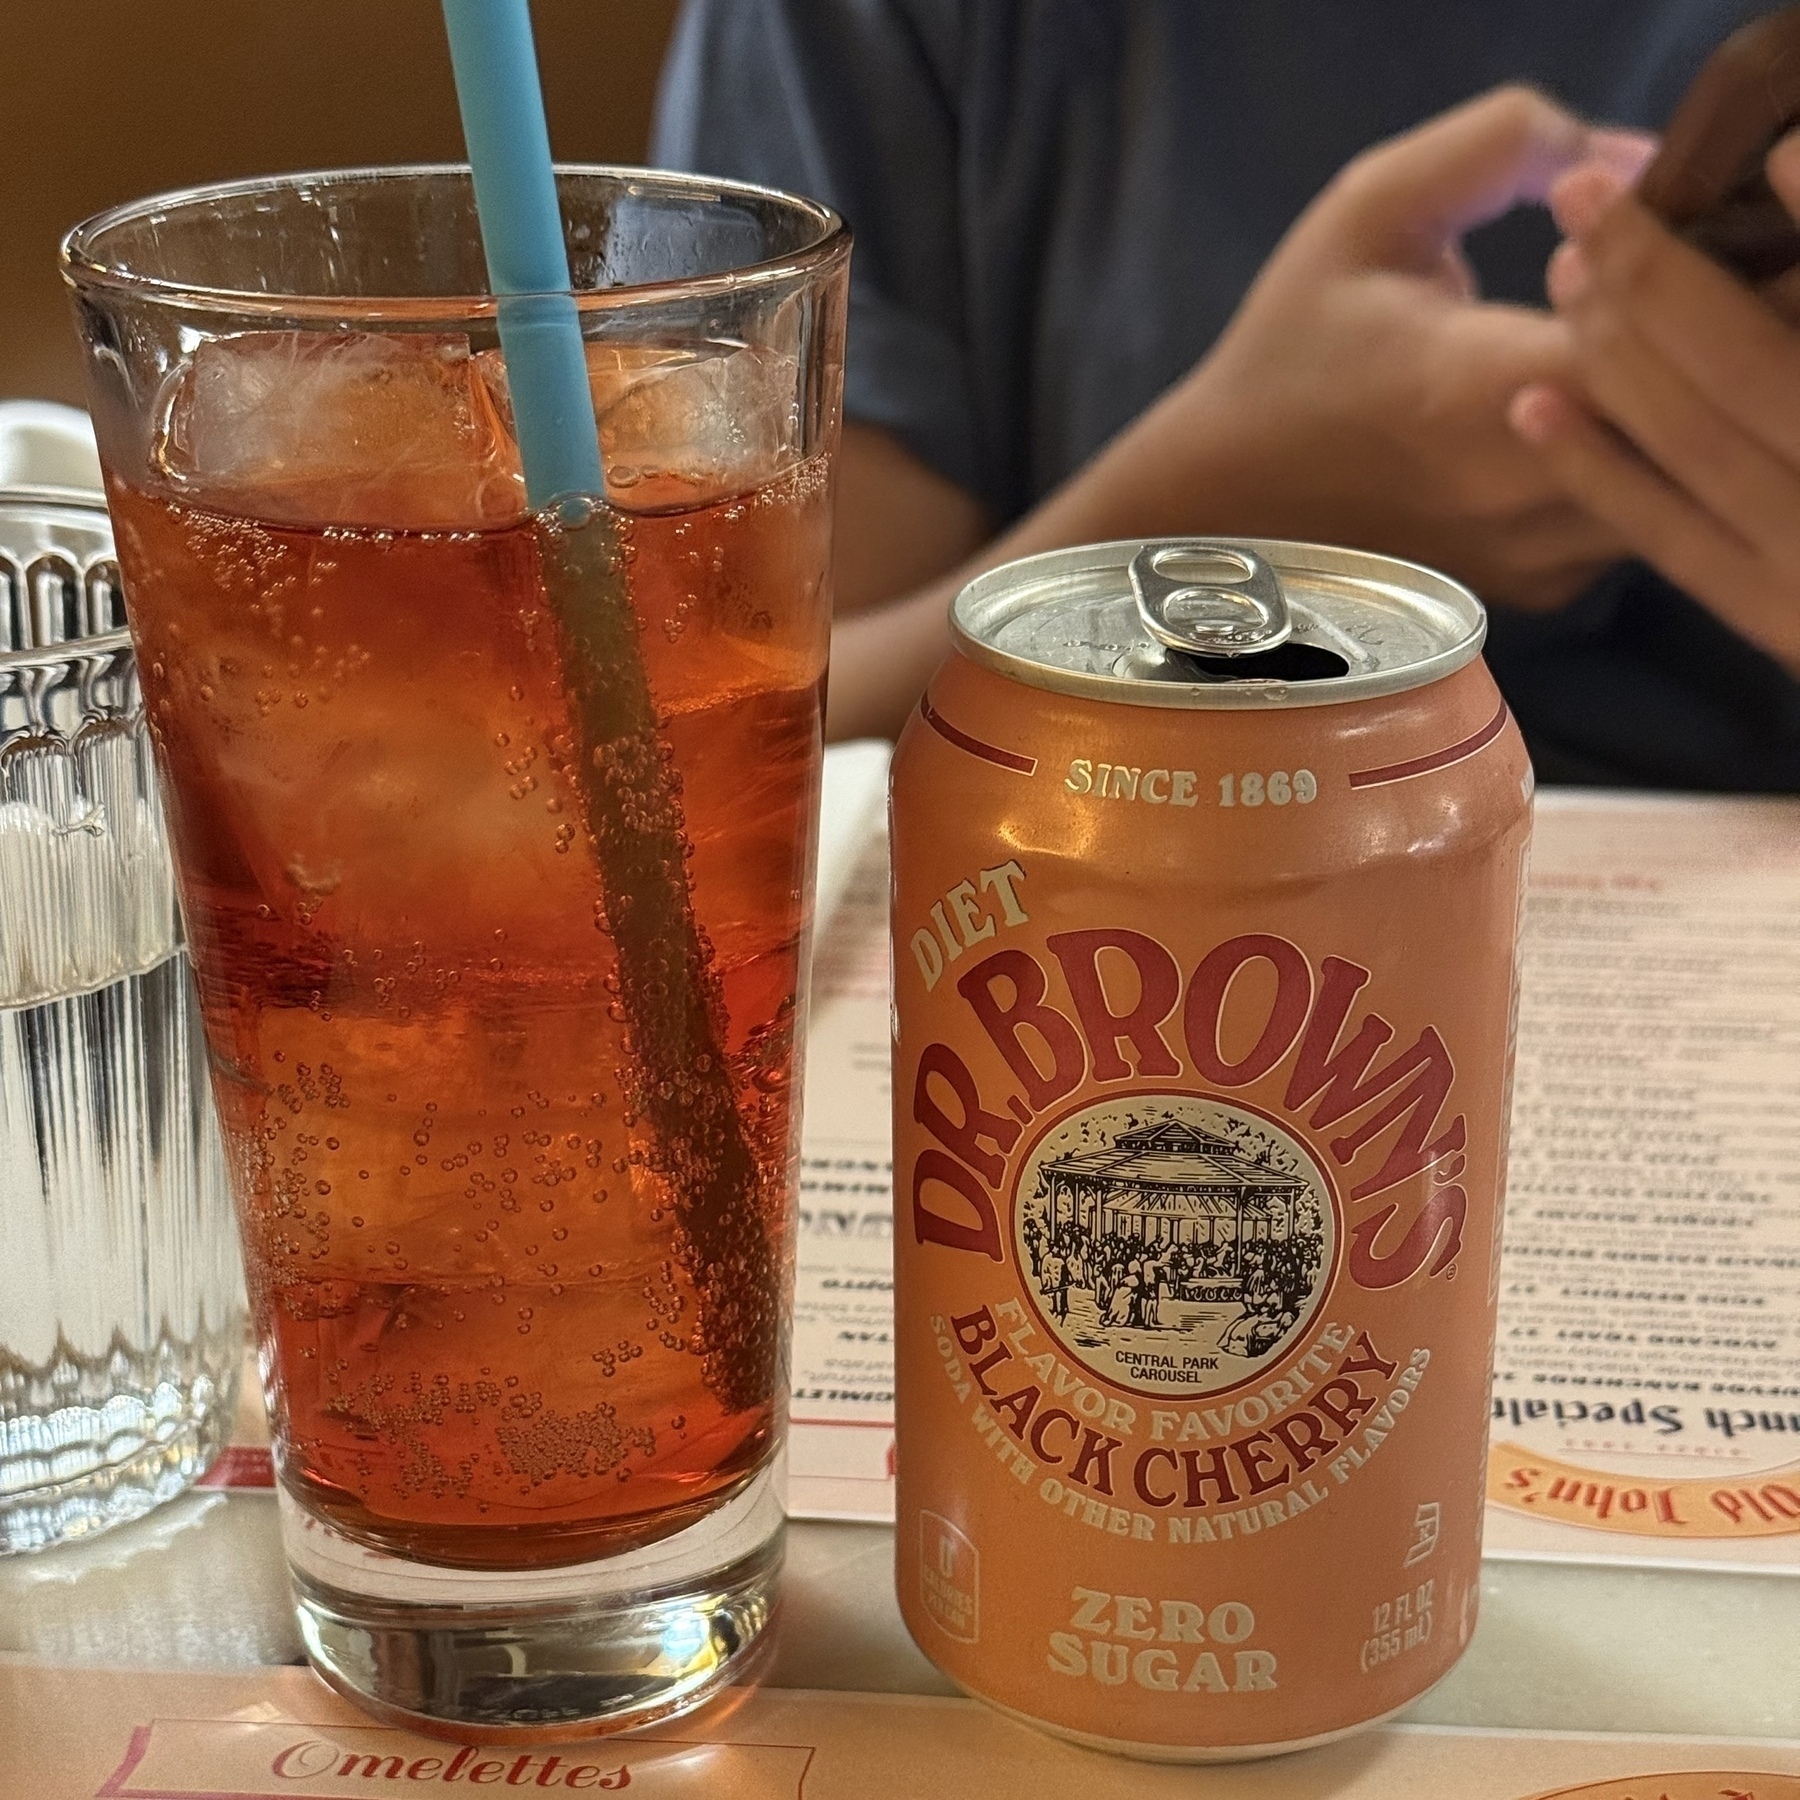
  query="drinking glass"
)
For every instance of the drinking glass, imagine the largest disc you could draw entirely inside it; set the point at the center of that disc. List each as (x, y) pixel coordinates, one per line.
(495, 832)
(121, 1308)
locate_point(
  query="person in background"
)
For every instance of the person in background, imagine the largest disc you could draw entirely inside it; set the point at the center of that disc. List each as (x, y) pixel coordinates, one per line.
(1142, 268)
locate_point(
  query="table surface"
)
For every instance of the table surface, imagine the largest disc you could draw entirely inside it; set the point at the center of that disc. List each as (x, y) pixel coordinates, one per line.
(1565, 1647)
(1560, 1646)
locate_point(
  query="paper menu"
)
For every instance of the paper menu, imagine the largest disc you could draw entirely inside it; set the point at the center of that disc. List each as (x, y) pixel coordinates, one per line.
(1653, 1263)
(83, 1734)
(1647, 1380)
(841, 1435)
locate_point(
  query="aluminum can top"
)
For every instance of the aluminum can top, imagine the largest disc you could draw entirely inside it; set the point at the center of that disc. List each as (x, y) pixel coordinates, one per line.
(1213, 623)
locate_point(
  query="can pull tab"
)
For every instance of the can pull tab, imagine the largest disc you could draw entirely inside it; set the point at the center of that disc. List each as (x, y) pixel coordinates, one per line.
(1210, 599)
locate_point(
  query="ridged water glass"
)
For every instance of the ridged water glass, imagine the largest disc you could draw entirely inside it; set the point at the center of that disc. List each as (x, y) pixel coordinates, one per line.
(121, 1309)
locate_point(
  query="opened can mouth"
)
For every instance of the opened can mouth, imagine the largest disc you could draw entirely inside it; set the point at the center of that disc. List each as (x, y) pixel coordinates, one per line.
(1218, 623)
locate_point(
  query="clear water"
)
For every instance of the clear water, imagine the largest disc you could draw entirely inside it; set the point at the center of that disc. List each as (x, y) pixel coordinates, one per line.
(121, 1317)
(121, 1296)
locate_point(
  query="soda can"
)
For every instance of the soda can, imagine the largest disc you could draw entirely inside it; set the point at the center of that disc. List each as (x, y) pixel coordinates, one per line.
(1208, 862)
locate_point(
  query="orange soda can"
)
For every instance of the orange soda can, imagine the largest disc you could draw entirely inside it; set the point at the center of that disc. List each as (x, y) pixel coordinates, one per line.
(1208, 861)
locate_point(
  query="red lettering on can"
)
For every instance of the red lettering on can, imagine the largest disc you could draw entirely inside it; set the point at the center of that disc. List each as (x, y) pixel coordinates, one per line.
(933, 1227)
(1159, 987)
(1025, 1012)
(1207, 992)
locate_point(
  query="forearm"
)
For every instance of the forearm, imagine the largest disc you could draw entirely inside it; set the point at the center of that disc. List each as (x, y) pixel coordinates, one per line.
(1357, 397)
(882, 659)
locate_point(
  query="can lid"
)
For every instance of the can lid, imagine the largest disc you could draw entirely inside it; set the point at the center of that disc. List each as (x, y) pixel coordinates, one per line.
(1218, 622)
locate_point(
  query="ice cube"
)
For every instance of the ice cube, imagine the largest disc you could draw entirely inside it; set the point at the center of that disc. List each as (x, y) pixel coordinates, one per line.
(341, 428)
(683, 426)
(689, 431)
(614, 369)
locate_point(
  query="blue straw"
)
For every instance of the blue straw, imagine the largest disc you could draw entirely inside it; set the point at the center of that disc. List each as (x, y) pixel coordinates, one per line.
(521, 230)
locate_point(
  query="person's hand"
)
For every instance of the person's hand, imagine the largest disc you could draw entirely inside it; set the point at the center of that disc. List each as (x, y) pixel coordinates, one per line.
(1359, 396)
(1679, 420)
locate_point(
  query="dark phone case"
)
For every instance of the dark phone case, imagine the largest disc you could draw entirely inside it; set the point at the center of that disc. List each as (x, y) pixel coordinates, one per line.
(1707, 181)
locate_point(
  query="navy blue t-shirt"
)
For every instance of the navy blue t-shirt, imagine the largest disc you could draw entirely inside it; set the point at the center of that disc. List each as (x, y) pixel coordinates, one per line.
(1058, 204)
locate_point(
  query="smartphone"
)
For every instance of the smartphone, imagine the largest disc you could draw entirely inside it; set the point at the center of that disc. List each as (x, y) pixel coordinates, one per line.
(1706, 181)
